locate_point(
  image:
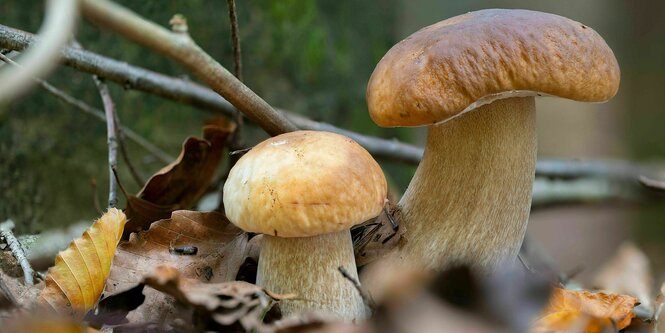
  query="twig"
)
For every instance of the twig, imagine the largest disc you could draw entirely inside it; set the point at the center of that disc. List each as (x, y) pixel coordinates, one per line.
(205, 99)
(59, 22)
(652, 184)
(17, 250)
(111, 137)
(143, 143)
(193, 94)
(367, 298)
(235, 39)
(235, 141)
(180, 47)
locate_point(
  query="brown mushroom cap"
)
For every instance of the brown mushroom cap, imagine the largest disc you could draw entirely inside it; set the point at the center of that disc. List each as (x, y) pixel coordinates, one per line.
(304, 183)
(472, 59)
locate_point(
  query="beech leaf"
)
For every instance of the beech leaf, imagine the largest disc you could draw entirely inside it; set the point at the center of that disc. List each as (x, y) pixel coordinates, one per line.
(594, 311)
(76, 280)
(180, 184)
(220, 249)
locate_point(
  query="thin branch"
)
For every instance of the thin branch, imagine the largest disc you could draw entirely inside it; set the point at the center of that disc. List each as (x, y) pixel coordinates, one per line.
(17, 250)
(366, 297)
(182, 91)
(205, 99)
(235, 39)
(180, 47)
(139, 140)
(111, 138)
(59, 22)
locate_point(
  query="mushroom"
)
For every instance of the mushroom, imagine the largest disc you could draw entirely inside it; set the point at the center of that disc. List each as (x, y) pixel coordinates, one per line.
(472, 79)
(304, 190)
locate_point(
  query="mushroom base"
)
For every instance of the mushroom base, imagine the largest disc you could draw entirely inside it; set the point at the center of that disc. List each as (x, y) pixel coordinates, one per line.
(308, 266)
(469, 200)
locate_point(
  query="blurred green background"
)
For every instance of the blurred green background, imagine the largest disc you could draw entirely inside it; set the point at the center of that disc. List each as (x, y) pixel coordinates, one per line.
(314, 58)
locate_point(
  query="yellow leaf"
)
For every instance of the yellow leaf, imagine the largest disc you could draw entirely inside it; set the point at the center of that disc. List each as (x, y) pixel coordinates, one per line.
(569, 308)
(76, 280)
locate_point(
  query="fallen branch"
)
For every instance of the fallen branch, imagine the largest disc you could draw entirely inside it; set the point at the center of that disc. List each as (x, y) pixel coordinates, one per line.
(59, 22)
(111, 138)
(205, 99)
(186, 92)
(17, 250)
(143, 143)
(179, 46)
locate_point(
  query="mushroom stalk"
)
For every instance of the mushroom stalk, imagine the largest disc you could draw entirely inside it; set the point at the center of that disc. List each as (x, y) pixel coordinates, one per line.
(469, 200)
(308, 266)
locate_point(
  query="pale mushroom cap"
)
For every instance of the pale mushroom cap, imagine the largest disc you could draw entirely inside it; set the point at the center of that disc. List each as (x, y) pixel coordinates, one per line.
(304, 183)
(443, 69)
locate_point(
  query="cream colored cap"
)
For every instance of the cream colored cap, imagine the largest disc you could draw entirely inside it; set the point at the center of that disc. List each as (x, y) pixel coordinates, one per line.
(472, 59)
(304, 183)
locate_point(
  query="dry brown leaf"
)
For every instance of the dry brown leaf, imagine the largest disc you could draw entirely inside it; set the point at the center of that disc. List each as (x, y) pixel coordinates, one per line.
(180, 184)
(596, 310)
(220, 250)
(76, 280)
(377, 237)
(226, 303)
(627, 273)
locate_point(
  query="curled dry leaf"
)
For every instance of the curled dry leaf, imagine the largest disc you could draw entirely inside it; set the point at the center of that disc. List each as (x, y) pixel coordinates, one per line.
(627, 273)
(220, 250)
(76, 280)
(596, 311)
(377, 237)
(180, 184)
(225, 303)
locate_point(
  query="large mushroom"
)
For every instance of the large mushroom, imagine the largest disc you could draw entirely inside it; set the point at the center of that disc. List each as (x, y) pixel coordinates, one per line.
(304, 190)
(472, 79)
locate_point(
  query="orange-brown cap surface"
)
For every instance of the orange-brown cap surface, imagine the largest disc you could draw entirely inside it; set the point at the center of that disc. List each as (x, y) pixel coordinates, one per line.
(304, 183)
(469, 60)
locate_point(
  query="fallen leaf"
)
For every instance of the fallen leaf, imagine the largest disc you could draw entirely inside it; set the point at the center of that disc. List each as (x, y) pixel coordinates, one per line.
(13, 290)
(226, 304)
(220, 250)
(76, 280)
(180, 184)
(377, 237)
(113, 310)
(596, 310)
(627, 273)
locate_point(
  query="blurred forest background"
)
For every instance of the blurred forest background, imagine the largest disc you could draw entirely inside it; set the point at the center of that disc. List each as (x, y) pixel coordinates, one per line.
(314, 58)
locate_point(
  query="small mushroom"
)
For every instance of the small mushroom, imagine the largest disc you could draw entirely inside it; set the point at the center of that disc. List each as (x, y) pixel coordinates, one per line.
(304, 190)
(472, 79)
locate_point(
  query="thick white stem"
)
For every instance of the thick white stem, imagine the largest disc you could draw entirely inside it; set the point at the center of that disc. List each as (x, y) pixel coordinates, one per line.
(308, 266)
(469, 201)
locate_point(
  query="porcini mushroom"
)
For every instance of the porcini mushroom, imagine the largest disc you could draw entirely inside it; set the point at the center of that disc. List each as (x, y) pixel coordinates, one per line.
(472, 79)
(304, 190)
